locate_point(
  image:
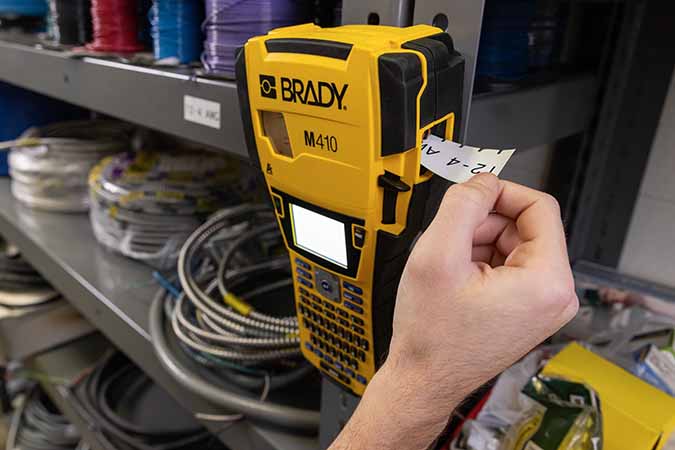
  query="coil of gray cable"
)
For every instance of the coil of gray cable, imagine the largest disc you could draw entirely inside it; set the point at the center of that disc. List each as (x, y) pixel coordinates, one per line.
(233, 259)
(20, 284)
(38, 425)
(244, 336)
(50, 165)
(145, 204)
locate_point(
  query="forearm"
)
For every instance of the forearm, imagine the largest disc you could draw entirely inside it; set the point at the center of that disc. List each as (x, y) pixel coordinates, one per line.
(396, 412)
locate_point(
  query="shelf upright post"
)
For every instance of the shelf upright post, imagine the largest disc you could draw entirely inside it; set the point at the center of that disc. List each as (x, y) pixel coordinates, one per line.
(462, 19)
(396, 13)
(613, 162)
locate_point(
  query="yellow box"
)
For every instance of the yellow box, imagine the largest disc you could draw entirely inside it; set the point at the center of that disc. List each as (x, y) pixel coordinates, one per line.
(635, 415)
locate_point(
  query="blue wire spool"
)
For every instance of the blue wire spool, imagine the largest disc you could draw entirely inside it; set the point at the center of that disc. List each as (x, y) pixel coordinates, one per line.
(24, 7)
(503, 53)
(176, 29)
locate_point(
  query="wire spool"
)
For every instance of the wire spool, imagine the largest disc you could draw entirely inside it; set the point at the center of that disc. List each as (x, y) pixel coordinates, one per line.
(229, 24)
(71, 21)
(176, 30)
(235, 317)
(20, 284)
(38, 425)
(144, 27)
(19, 8)
(503, 54)
(124, 403)
(327, 13)
(144, 205)
(115, 25)
(237, 331)
(545, 35)
(49, 165)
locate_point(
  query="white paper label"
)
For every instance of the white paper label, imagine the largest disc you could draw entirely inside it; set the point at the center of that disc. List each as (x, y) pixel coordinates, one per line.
(457, 162)
(203, 112)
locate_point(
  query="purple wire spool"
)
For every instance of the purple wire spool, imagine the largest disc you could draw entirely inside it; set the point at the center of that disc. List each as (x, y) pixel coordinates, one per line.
(230, 23)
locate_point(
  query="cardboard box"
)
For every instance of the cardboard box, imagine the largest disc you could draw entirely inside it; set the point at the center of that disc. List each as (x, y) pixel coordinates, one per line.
(635, 415)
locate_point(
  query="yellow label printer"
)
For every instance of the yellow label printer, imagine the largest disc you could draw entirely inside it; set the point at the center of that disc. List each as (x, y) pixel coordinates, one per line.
(334, 118)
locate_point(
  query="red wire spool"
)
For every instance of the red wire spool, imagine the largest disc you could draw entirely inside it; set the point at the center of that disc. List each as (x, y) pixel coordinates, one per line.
(115, 24)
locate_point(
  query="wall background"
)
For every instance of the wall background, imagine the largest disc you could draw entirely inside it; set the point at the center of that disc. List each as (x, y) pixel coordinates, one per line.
(649, 250)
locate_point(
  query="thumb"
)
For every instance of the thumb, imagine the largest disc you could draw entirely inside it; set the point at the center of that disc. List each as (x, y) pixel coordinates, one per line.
(464, 207)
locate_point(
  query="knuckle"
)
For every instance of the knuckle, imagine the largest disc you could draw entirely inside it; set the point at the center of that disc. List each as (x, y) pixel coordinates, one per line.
(572, 309)
(417, 265)
(551, 202)
(426, 262)
(474, 193)
(559, 293)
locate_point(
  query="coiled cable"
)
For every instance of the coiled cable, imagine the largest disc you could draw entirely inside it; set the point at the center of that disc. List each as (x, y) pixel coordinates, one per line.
(225, 267)
(230, 23)
(20, 284)
(176, 30)
(113, 379)
(281, 415)
(247, 335)
(38, 425)
(50, 165)
(115, 26)
(280, 332)
(145, 204)
(71, 21)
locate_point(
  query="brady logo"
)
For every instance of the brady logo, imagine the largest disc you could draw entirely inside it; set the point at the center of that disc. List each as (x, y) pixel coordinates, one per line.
(268, 86)
(313, 93)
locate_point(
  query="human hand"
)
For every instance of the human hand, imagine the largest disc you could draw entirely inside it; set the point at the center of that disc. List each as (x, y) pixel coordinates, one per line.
(482, 288)
(488, 280)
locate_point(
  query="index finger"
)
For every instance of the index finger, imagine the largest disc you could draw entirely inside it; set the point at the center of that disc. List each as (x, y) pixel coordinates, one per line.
(537, 218)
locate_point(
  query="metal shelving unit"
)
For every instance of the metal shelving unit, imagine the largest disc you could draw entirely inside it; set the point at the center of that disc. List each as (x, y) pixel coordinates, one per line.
(155, 97)
(114, 293)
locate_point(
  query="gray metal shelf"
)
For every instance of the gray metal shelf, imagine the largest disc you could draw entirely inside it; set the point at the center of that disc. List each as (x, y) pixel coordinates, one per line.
(115, 293)
(154, 97)
(147, 96)
(532, 116)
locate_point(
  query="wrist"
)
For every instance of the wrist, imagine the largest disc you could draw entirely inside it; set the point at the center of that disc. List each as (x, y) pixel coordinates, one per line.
(416, 393)
(434, 382)
(400, 409)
